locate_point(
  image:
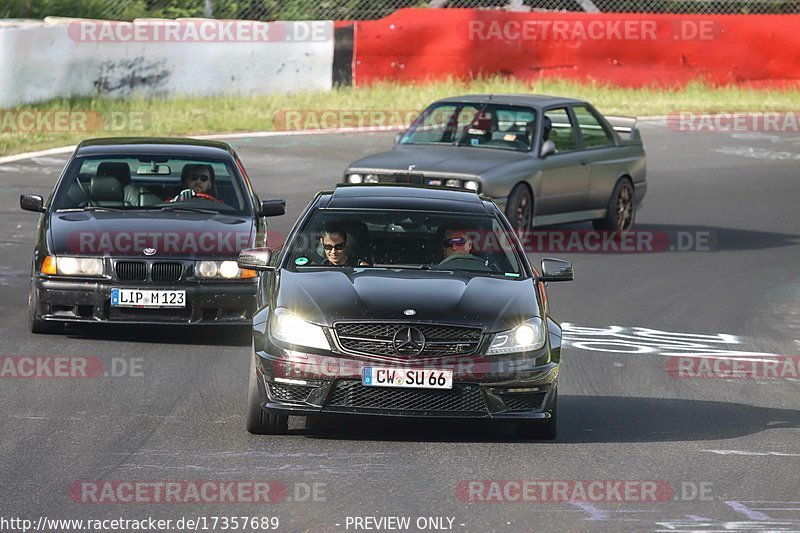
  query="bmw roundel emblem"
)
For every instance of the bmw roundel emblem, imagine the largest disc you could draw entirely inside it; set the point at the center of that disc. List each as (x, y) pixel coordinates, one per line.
(149, 251)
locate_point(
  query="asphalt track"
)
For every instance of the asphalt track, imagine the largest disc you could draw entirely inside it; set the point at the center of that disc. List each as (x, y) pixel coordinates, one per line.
(729, 447)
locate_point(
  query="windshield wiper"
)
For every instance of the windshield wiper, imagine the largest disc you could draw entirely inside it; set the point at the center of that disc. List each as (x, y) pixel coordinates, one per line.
(88, 208)
(189, 209)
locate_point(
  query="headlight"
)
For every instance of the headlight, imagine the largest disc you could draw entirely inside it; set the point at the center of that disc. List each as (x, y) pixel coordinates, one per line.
(528, 336)
(453, 183)
(471, 185)
(291, 329)
(354, 178)
(73, 266)
(221, 270)
(371, 178)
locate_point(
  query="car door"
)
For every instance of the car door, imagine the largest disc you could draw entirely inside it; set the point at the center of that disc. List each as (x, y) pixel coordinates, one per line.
(600, 153)
(565, 174)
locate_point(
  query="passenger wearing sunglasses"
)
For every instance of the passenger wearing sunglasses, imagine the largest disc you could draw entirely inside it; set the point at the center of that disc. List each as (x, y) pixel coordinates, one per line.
(457, 248)
(334, 242)
(196, 182)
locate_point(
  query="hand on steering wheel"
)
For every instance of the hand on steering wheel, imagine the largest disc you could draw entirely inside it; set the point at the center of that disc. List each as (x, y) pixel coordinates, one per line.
(188, 194)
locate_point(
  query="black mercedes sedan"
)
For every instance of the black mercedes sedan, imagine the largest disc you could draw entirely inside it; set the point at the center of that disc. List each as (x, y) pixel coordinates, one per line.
(146, 231)
(406, 301)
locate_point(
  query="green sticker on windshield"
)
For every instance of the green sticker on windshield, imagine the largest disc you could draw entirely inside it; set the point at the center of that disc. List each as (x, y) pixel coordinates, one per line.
(512, 275)
(300, 261)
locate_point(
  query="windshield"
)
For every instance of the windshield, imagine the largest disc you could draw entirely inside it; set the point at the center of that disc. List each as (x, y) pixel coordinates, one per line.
(404, 239)
(494, 126)
(157, 182)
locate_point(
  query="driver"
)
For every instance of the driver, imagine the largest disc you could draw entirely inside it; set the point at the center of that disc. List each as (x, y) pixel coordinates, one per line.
(457, 247)
(334, 242)
(197, 181)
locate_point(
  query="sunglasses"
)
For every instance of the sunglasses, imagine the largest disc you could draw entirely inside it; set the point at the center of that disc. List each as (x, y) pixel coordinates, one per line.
(202, 177)
(461, 241)
(338, 247)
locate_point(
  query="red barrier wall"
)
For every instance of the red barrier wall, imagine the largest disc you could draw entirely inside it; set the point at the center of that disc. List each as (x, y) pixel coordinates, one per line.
(622, 49)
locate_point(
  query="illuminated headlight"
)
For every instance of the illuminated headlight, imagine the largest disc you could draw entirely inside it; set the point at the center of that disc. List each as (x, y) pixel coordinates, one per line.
(287, 327)
(528, 336)
(221, 270)
(471, 185)
(371, 178)
(74, 266)
(453, 183)
(354, 178)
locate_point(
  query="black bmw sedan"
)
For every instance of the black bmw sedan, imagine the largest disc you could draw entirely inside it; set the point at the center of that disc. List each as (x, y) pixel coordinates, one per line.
(403, 301)
(146, 231)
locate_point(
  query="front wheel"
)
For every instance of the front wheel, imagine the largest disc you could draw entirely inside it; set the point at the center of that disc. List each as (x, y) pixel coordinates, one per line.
(520, 208)
(259, 422)
(621, 209)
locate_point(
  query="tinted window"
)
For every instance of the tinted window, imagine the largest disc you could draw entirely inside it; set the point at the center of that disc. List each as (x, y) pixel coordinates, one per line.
(417, 240)
(486, 126)
(592, 131)
(151, 183)
(561, 132)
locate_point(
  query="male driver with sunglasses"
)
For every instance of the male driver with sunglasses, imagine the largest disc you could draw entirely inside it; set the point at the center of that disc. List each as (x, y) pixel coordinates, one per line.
(457, 247)
(196, 182)
(334, 242)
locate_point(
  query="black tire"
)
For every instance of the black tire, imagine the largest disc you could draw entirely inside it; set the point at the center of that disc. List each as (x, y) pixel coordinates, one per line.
(621, 210)
(259, 422)
(542, 430)
(519, 209)
(36, 324)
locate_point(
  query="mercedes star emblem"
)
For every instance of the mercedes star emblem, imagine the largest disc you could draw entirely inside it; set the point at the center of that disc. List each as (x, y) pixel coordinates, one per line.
(409, 312)
(408, 341)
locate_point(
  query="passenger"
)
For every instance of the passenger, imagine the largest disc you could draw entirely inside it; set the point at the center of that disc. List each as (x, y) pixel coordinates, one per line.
(334, 242)
(197, 181)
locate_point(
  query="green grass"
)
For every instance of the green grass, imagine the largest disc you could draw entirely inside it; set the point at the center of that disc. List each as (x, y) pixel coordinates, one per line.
(196, 116)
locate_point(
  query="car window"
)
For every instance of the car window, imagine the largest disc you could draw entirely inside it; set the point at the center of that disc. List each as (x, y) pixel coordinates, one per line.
(404, 239)
(592, 131)
(151, 182)
(561, 130)
(495, 126)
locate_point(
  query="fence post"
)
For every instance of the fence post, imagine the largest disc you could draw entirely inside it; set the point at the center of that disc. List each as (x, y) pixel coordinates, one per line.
(208, 9)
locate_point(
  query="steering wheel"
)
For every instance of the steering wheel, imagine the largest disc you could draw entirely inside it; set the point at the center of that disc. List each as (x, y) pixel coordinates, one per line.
(202, 195)
(469, 259)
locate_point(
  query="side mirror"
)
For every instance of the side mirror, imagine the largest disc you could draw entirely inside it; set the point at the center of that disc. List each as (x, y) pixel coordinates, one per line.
(548, 148)
(272, 208)
(398, 136)
(255, 259)
(32, 202)
(556, 270)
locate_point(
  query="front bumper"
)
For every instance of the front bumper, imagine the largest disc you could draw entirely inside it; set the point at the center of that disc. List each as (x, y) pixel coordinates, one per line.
(89, 301)
(517, 387)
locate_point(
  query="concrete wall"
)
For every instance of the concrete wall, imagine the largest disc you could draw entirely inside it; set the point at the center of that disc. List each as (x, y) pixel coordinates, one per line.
(40, 61)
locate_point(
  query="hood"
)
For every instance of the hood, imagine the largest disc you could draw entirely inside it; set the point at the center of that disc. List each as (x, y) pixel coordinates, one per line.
(128, 234)
(325, 296)
(445, 159)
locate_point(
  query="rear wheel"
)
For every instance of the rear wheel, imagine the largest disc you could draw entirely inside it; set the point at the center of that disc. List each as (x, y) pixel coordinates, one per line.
(259, 422)
(519, 209)
(621, 209)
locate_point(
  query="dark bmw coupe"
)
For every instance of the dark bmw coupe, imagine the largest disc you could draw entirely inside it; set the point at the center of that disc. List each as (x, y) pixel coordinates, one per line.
(403, 301)
(146, 231)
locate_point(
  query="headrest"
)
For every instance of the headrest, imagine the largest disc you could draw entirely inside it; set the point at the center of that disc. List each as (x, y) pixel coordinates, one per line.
(118, 170)
(105, 189)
